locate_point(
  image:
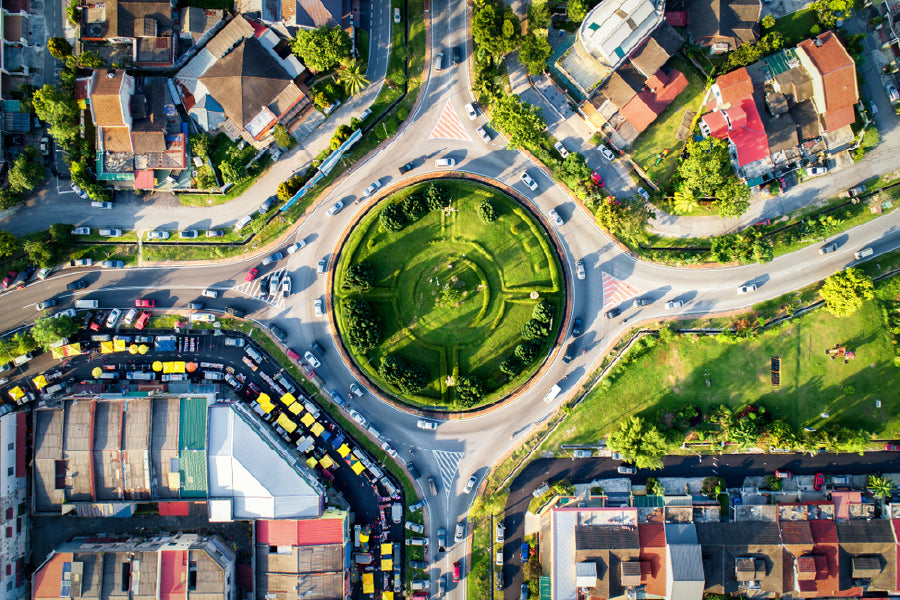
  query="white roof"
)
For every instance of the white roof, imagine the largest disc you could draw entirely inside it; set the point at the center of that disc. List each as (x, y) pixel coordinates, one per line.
(220, 510)
(615, 28)
(196, 67)
(255, 473)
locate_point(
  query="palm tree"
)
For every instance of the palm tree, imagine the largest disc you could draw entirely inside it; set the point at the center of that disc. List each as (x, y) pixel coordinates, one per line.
(881, 487)
(352, 77)
(684, 202)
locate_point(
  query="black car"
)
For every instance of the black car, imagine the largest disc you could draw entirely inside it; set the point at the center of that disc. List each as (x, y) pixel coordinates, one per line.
(279, 334)
(413, 471)
(456, 56)
(613, 313)
(264, 286)
(407, 168)
(267, 205)
(235, 312)
(195, 305)
(570, 352)
(77, 285)
(317, 348)
(576, 327)
(643, 301)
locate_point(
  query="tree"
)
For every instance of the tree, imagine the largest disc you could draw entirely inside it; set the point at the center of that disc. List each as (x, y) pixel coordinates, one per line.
(734, 200)
(707, 170)
(829, 11)
(535, 330)
(50, 330)
(24, 343)
(534, 52)
(282, 137)
(845, 291)
(205, 178)
(577, 10)
(684, 202)
(26, 95)
(538, 15)
(469, 390)
(61, 233)
(363, 327)
(321, 48)
(9, 245)
(9, 198)
(527, 351)
(39, 253)
(392, 217)
(359, 277)
(352, 77)
(573, 169)
(881, 487)
(487, 212)
(406, 377)
(520, 121)
(542, 311)
(90, 60)
(487, 31)
(59, 47)
(639, 442)
(200, 144)
(27, 171)
(768, 22)
(58, 109)
(414, 207)
(510, 366)
(436, 197)
(231, 172)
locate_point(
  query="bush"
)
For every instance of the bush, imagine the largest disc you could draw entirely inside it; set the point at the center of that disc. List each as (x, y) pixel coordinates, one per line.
(392, 217)
(487, 212)
(436, 197)
(534, 329)
(414, 208)
(542, 311)
(469, 390)
(363, 327)
(527, 351)
(511, 366)
(359, 277)
(406, 377)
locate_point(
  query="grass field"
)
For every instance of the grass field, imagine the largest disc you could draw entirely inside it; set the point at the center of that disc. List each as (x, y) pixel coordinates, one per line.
(670, 375)
(452, 292)
(796, 26)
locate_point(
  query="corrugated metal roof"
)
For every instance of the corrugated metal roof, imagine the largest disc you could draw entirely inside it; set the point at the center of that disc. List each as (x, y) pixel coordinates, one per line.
(173, 574)
(276, 533)
(192, 424)
(681, 533)
(319, 531)
(192, 467)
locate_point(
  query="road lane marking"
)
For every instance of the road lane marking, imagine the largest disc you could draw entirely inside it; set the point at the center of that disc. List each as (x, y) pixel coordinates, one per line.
(449, 127)
(449, 464)
(616, 291)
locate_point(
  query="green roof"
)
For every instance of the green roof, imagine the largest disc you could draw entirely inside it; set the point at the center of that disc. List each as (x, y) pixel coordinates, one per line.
(647, 501)
(192, 468)
(778, 62)
(545, 587)
(192, 424)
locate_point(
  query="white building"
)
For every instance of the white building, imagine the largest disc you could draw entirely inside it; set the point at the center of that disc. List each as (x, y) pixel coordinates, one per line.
(13, 509)
(615, 28)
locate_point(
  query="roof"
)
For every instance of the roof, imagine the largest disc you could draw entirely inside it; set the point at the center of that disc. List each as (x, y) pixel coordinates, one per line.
(244, 81)
(737, 534)
(142, 19)
(662, 44)
(318, 13)
(606, 537)
(308, 532)
(647, 105)
(735, 85)
(715, 121)
(795, 532)
(750, 141)
(681, 533)
(837, 71)
(877, 531)
(106, 106)
(614, 28)
(622, 86)
(310, 572)
(730, 21)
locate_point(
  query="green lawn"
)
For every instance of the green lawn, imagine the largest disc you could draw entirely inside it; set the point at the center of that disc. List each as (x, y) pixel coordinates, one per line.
(661, 133)
(443, 299)
(671, 375)
(795, 27)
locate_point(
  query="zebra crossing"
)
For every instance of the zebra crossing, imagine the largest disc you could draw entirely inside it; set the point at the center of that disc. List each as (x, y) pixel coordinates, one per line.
(449, 464)
(274, 297)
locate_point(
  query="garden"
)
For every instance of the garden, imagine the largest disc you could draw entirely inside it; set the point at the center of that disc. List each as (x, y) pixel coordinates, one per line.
(448, 295)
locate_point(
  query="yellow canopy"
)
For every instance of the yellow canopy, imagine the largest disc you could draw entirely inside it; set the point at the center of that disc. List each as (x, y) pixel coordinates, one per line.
(307, 420)
(387, 595)
(368, 583)
(286, 423)
(106, 348)
(344, 450)
(326, 462)
(363, 536)
(288, 399)
(97, 372)
(296, 408)
(263, 397)
(40, 382)
(173, 367)
(157, 365)
(317, 429)
(119, 346)
(311, 462)
(387, 564)
(387, 549)
(143, 349)
(16, 393)
(64, 351)
(357, 466)
(132, 349)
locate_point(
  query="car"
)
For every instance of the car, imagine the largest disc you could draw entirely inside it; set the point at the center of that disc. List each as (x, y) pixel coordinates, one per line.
(524, 551)
(26, 275)
(471, 112)
(460, 532)
(746, 289)
(275, 154)
(438, 61)
(359, 419)
(597, 179)
(69, 312)
(613, 313)
(484, 134)
(570, 352)
(413, 471)
(816, 171)
(195, 305)
(278, 333)
(457, 571)
(335, 208)
(500, 534)
(266, 206)
(470, 484)
(407, 168)
(145, 303)
(854, 191)
(8, 279)
(426, 424)
(643, 193)
(828, 249)
(235, 312)
(214, 233)
(441, 539)
(319, 307)
(892, 93)
(45, 145)
(80, 192)
(274, 257)
(819, 481)
(113, 318)
(251, 275)
(81, 231)
(286, 286)
(672, 304)
(606, 153)
(626, 470)
(323, 266)
(445, 162)
(296, 246)
(783, 474)
(396, 15)
(101, 204)
(314, 345)
(579, 269)
(312, 359)
(189, 234)
(576, 327)
(638, 302)
(356, 390)
(527, 180)
(82, 262)
(210, 293)
(142, 320)
(561, 149)
(372, 188)
(892, 447)
(44, 272)
(432, 486)
(523, 592)
(763, 223)
(499, 575)
(157, 235)
(112, 264)
(235, 342)
(46, 304)
(129, 316)
(110, 233)
(456, 55)
(554, 216)
(76, 285)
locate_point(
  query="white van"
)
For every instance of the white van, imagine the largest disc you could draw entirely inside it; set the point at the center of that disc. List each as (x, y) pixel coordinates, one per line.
(21, 360)
(551, 395)
(252, 353)
(243, 223)
(140, 375)
(444, 162)
(865, 252)
(86, 304)
(203, 317)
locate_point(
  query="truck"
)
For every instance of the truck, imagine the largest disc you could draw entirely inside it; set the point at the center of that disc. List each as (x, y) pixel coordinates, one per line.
(396, 512)
(86, 304)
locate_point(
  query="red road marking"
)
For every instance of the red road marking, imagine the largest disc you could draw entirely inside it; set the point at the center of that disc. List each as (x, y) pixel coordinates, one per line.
(449, 126)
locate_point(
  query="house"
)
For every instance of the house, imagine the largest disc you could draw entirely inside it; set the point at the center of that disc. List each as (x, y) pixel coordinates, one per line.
(723, 25)
(312, 13)
(833, 76)
(13, 494)
(612, 30)
(243, 82)
(198, 24)
(186, 565)
(146, 26)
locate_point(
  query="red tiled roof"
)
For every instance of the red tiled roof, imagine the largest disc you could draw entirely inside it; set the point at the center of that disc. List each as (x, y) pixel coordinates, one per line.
(144, 180)
(81, 88)
(173, 574)
(47, 580)
(311, 532)
(166, 509)
(639, 111)
(839, 118)
(736, 116)
(652, 535)
(718, 127)
(751, 141)
(643, 109)
(276, 533)
(823, 531)
(838, 73)
(735, 86)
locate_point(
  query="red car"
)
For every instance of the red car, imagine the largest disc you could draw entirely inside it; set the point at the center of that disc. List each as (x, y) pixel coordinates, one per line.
(145, 303)
(892, 447)
(8, 279)
(251, 275)
(595, 177)
(819, 481)
(457, 568)
(142, 320)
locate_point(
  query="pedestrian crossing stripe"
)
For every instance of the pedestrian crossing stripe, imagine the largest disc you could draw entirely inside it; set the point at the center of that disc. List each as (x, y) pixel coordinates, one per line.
(251, 288)
(449, 127)
(616, 291)
(449, 464)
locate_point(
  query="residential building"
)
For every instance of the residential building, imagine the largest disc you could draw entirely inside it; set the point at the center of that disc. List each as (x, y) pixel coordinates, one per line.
(144, 27)
(833, 75)
(307, 13)
(13, 514)
(243, 83)
(302, 559)
(723, 25)
(183, 566)
(199, 24)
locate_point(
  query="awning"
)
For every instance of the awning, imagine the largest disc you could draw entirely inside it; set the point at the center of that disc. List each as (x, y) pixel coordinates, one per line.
(157, 366)
(263, 398)
(263, 401)
(344, 450)
(357, 466)
(368, 583)
(308, 420)
(288, 399)
(387, 549)
(16, 393)
(40, 382)
(106, 347)
(120, 346)
(296, 408)
(317, 429)
(326, 462)
(311, 462)
(387, 564)
(387, 595)
(65, 351)
(286, 423)
(174, 367)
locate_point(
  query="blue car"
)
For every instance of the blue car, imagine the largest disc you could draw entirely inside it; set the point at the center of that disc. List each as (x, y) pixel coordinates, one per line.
(525, 552)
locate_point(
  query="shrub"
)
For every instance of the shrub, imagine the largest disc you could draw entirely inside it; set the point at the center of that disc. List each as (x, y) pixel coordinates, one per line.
(469, 390)
(511, 366)
(535, 329)
(359, 277)
(406, 377)
(527, 351)
(414, 207)
(542, 311)
(392, 217)
(436, 197)
(487, 212)
(363, 327)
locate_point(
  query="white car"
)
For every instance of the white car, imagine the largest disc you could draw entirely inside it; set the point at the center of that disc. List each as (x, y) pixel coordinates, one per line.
(579, 269)
(554, 216)
(816, 171)
(643, 193)
(671, 304)
(80, 192)
(501, 533)
(294, 247)
(129, 316)
(110, 232)
(371, 189)
(426, 424)
(746, 289)
(460, 532)
(470, 110)
(286, 286)
(470, 484)
(81, 231)
(335, 208)
(113, 318)
(157, 235)
(312, 360)
(319, 306)
(561, 149)
(606, 153)
(396, 15)
(527, 180)
(485, 136)
(893, 94)
(357, 417)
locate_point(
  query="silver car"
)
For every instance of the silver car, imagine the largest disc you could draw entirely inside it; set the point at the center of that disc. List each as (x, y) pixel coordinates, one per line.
(312, 360)
(113, 318)
(527, 180)
(335, 208)
(554, 216)
(157, 235)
